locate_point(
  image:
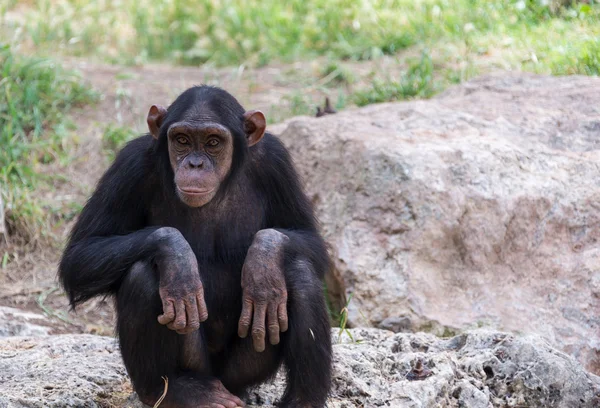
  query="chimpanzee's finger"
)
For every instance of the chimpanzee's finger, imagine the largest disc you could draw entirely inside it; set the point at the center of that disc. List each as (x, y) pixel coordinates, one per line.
(273, 324)
(214, 405)
(180, 319)
(191, 311)
(202, 310)
(245, 318)
(282, 316)
(229, 400)
(238, 401)
(225, 401)
(258, 327)
(168, 312)
(229, 395)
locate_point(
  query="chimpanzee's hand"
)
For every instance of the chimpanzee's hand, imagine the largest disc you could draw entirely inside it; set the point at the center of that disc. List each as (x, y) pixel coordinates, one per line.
(264, 289)
(181, 292)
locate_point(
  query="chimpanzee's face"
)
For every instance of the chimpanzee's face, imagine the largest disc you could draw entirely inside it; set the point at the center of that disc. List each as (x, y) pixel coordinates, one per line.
(200, 152)
(200, 146)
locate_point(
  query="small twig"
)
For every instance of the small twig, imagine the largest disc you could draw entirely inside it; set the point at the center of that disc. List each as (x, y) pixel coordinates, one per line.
(164, 394)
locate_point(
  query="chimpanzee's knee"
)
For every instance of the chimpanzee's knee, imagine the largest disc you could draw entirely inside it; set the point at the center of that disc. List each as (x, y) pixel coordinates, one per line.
(140, 285)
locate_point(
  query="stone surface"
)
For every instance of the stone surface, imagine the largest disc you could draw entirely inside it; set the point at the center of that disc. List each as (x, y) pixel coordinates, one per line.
(61, 371)
(475, 369)
(480, 207)
(396, 324)
(17, 322)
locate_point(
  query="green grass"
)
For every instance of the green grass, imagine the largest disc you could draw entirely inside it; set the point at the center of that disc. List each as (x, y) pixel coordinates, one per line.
(417, 81)
(258, 32)
(336, 74)
(35, 95)
(114, 138)
(584, 59)
(227, 32)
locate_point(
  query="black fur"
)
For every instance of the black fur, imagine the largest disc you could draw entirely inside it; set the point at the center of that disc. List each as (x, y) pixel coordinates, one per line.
(114, 242)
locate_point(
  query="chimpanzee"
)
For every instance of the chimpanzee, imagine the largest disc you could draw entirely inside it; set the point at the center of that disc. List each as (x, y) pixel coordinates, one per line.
(201, 231)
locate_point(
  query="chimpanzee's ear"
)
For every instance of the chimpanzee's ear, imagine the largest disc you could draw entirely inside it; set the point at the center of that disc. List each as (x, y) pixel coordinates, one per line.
(156, 114)
(254, 126)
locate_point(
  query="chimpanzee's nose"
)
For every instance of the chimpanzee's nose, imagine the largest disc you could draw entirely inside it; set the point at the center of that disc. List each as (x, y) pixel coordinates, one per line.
(196, 162)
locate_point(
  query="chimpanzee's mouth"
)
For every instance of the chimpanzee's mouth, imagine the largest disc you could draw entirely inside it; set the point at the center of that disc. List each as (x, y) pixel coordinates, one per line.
(194, 191)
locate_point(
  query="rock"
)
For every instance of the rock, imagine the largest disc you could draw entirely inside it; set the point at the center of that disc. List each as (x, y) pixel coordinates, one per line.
(61, 371)
(475, 369)
(16, 322)
(478, 208)
(396, 324)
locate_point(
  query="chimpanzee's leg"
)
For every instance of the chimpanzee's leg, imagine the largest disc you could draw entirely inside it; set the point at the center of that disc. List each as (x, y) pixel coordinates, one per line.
(307, 343)
(244, 367)
(152, 351)
(305, 348)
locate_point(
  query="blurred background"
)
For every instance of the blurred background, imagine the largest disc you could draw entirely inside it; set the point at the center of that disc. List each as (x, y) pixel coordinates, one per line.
(77, 78)
(476, 209)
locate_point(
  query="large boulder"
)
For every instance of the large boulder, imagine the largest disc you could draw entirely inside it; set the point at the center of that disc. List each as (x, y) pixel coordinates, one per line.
(480, 207)
(373, 368)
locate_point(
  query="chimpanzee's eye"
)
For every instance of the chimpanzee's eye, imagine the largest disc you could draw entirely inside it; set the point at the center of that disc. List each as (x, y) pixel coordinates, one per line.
(181, 140)
(212, 143)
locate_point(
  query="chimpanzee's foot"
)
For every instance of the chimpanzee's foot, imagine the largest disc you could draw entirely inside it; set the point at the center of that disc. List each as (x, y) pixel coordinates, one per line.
(220, 397)
(195, 393)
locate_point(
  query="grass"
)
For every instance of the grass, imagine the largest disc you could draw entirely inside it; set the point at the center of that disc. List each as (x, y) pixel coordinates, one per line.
(584, 59)
(336, 74)
(35, 95)
(417, 81)
(234, 32)
(224, 33)
(343, 321)
(114, 138)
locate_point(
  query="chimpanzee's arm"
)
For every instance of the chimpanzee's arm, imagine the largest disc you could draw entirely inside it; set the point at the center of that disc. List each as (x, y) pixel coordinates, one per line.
(95, 265)
(292, 237)
(291, 211)
(110, 234)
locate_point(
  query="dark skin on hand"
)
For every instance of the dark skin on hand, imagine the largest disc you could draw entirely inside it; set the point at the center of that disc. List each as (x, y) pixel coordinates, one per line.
(265, 294)
(202, 233)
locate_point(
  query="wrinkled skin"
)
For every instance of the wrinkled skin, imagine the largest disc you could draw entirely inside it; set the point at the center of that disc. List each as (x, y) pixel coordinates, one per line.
(265, 295)
(180, 287)
(264, 305)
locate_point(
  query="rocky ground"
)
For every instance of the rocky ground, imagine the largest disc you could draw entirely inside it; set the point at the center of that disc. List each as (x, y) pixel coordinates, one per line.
(478, 208)
(377, 368)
